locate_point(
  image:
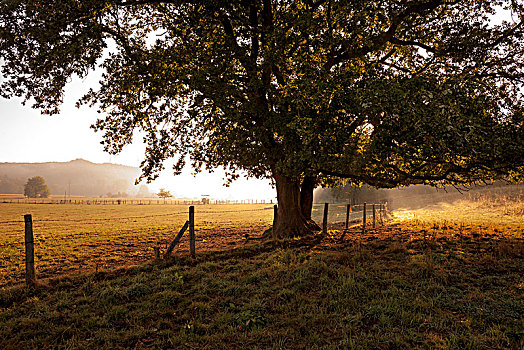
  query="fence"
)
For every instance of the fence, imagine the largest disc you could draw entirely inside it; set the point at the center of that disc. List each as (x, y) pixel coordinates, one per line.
(343, 213)
(93, 237)
(333, 215)
(125, 201)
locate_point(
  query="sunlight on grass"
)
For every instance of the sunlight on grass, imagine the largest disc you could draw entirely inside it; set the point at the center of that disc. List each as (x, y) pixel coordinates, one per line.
(403, 215)
(485, 215)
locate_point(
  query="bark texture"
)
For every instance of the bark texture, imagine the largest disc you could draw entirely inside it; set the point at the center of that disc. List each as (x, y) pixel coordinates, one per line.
(306, 196)
(291, 221)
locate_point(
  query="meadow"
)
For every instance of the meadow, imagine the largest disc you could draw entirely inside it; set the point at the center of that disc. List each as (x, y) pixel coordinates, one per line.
(71, 237)
(80, 237)
(445, 277)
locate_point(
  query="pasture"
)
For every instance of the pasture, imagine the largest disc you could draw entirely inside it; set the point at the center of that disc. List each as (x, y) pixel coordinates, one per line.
(445, 277)
(93, 237)
(81, 237)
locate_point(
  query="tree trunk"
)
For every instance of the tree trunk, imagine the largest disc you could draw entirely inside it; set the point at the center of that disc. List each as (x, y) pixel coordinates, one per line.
(290, 220)
(306, 196)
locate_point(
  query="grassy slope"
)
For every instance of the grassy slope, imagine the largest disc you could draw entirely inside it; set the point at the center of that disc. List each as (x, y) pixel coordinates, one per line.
(401, 288)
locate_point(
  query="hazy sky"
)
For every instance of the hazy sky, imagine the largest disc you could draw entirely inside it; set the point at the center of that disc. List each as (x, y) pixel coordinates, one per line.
(28, 136)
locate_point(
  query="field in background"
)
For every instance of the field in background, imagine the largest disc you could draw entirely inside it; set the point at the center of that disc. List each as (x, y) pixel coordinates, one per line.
(90, 237)
(79, 200)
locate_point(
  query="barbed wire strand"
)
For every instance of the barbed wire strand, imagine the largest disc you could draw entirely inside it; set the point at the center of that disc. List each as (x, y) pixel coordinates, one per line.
(131, 217)
(150, 216)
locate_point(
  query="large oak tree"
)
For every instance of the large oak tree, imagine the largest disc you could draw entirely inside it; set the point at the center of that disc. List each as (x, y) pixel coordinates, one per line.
(387, 93)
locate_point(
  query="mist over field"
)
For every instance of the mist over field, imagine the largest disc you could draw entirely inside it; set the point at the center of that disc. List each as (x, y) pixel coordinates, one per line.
(77, 177)
(80, 177)
(417, 196)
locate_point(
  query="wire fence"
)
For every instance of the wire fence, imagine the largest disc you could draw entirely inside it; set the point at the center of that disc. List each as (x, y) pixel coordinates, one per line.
(59, 244)
(340, 212)
(11, 222)
(337, 213)
(135, 201)
(18, 222)
(93, 219)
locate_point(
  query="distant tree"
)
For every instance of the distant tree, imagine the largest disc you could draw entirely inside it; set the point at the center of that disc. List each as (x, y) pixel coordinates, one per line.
(36, 187)
(143, 192)
(164, 194)
(117, 195)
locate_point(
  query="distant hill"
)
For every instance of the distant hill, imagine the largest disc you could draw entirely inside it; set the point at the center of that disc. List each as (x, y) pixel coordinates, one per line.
(78, 177)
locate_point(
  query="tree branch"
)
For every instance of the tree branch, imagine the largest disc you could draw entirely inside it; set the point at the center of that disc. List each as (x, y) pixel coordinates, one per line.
(396, 41)
(378, 41)
(231, 37)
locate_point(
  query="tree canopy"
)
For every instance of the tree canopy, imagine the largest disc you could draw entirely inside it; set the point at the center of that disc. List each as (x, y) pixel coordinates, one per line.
(387, 93)
(36, 188)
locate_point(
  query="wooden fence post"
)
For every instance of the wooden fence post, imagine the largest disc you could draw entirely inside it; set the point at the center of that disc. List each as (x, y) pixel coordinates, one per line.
(324, 222)
(176, 240)
(192, 230)
(364, 219)
(157, 252)
(275, 216)
(347, 215)
(346, 230)
(374, 216)
(30, 276)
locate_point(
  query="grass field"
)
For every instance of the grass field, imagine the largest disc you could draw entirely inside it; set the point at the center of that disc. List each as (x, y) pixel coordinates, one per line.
(89, 237)
(92, 237)
(494, 215)
(429, 279)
